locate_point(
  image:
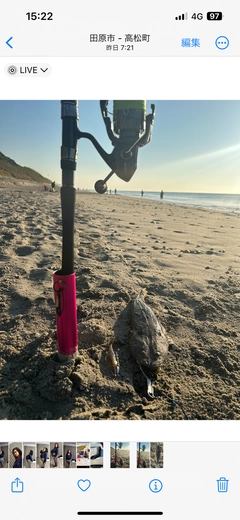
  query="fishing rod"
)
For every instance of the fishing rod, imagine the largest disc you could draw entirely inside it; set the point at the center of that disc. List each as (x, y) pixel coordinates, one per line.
(64, 280)
(131, 129)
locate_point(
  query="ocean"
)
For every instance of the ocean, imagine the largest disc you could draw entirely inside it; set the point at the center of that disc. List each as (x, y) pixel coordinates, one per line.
(212, 201)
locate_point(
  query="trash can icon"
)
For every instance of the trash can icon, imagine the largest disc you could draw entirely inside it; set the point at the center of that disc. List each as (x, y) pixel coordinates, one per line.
(222, 484)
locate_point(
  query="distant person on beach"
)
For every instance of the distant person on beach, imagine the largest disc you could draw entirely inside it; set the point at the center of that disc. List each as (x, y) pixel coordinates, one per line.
(1, 459)
(43, 456)
(29, 458)
(142, 192)
(161, 194)
(53, 186)
(17, 453)
(54, 453)
(115, 191)
(68, 458)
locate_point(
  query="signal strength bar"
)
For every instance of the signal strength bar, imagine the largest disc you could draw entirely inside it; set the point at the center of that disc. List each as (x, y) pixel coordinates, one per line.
(183, 16)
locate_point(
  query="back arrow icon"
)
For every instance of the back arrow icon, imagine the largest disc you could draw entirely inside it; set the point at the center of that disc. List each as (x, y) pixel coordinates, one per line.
(7, 42)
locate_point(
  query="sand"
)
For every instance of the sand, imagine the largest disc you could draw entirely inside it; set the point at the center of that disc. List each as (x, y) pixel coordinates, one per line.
(156, 454)
(144, 459)
(123, 458)
(186, 260)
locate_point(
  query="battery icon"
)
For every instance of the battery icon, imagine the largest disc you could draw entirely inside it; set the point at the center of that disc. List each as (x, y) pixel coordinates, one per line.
(215, 15)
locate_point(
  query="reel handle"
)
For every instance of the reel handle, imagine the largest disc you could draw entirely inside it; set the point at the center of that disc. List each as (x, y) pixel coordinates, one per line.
(101, 185)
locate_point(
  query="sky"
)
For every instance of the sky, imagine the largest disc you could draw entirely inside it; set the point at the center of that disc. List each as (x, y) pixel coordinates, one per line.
(146, 444)
(195, 145)
(125, 445)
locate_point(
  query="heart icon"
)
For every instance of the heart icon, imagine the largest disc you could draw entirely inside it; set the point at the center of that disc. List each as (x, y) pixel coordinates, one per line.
(84, 484)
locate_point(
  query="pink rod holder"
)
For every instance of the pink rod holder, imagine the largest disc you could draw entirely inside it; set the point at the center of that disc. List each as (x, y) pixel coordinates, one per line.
(66, 312)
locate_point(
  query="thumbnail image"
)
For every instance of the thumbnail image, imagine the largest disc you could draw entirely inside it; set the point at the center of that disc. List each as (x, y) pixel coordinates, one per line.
(3, 455)
(96, 455)
(56, 450)
(143, 455)
(119, 261)
(83, 455)
(156, 455)
(43, 455)
(69, 455)
(120, 454)
(15, 452)
(29, 455)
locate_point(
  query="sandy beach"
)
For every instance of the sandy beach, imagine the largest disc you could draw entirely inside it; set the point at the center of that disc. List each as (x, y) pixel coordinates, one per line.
(123, 458)
(187, 262)
(156, 454)
(143, 458)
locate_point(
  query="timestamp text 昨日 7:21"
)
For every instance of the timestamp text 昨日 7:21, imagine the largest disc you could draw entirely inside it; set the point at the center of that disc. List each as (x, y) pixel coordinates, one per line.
(127, 47)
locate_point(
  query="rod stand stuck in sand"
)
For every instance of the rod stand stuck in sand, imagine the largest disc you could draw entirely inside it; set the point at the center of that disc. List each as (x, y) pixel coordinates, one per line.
(131, 129)
(64, 280)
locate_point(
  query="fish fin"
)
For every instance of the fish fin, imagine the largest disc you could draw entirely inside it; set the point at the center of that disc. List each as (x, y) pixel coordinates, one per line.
(143, 293)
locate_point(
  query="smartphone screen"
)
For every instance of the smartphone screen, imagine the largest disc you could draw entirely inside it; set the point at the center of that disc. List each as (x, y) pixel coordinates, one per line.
(119, 260)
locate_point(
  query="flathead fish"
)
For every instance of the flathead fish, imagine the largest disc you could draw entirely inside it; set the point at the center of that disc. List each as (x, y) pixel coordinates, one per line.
(148, 342)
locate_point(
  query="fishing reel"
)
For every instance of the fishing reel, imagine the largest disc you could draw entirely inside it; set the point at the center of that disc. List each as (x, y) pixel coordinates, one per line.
(130, 130)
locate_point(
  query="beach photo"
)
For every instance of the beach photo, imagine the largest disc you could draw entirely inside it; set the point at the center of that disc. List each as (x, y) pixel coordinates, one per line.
(143, 455)
(156, 454)
(120, 454)
(119, 262)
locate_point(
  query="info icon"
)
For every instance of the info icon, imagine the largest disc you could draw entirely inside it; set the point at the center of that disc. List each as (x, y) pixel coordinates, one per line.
(155, 485)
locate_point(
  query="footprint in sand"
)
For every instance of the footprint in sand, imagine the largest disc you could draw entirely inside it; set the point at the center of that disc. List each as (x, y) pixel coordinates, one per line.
(38, 274)
(25, 250)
